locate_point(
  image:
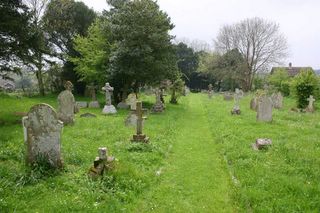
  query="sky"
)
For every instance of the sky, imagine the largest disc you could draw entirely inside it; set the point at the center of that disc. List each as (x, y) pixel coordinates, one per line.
(299, 21)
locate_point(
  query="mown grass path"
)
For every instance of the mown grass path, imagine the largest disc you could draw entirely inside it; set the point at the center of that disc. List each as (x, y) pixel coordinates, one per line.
(195, 177)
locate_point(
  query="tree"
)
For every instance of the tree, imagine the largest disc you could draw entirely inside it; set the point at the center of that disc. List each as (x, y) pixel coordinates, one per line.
(63, 20)
(94, 52)
(14, 35)
(142, 52)
(188, 60)
(259, 41)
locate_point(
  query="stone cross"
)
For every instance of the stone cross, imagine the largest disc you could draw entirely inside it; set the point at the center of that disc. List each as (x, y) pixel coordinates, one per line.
(108, 89)
(140, 137)
(42, 135)
(101, 164)
(310, 107)
(66, 104)
(237, 96)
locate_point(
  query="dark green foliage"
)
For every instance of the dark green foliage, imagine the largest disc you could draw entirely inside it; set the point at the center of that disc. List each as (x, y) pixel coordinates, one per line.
(177, 88)
(14, 34)
(188, 61)
(280, 80)
(142, 51)
(304, 84)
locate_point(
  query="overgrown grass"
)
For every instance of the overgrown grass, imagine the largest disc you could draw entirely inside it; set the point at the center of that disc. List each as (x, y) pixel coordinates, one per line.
(203, 154)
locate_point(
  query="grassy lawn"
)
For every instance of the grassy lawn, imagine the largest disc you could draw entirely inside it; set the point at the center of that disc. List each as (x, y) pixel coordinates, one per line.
(199, 160)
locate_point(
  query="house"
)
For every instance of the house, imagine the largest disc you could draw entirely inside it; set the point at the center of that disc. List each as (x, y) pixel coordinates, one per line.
(292, 71)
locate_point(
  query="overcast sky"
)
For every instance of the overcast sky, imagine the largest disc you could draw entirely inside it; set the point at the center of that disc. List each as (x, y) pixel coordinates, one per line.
(201, 19)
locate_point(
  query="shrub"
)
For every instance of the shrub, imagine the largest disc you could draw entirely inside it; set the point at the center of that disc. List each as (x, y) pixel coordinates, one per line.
(304, 84)
(280, 80)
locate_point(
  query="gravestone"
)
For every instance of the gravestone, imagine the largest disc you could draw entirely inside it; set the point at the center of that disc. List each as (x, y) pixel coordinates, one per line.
(210, 91)
(132, 101)
(139, 136)
(101, 164)
(93, 103)
(264, 110)
(310, 107)
(88, 115)
(277, 100)
(227, 96)
(123, 97)
(262, 143)
(81, 104)
(42, 135)
(66, 104)
(254, 104)
(108, 108)
(158, 107)
(237, 96)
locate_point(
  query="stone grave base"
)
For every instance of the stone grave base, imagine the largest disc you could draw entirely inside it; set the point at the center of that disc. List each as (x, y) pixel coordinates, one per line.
(236, 112)
(261, 143)
(122, 105)
(140, 138)
(158, 108)
(109, 110)
(94, 104)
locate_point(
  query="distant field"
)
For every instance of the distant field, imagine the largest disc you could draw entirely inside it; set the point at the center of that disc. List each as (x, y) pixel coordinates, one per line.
(199, 160)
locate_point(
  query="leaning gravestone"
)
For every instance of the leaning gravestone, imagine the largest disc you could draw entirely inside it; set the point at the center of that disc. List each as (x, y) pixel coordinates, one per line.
(277, 100)
(42, 135)
(66, 104)
(264, 110)
(108, 108)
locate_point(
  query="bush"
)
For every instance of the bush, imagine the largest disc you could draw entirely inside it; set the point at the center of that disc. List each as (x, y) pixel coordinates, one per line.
(304, 84)
(280, 80)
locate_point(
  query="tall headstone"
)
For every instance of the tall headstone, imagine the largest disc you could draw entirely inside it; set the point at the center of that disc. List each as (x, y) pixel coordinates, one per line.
(158, 106)
(139, 136)
(237, 96)
(264, 110)
(66, 104)
(94, 102)
(277, 100)
(108, 108)
(42, 135)
(310, 107)
(132, 101)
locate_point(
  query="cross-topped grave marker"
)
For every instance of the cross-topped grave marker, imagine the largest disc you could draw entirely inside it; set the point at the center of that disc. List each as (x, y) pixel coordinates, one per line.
(310, 107)
(108, 108)
(237, 96)
(140, 137)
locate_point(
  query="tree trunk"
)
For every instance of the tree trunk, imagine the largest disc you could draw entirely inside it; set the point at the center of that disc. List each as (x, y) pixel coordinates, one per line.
(39, 76)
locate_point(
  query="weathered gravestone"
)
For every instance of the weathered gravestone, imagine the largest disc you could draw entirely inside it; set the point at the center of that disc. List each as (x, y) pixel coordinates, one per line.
(88, 115)
(66, 104)
(237, 96)
(132, 101)
(140, 137)
(227, 96)
(101, 164)
(82, 104)
(108, 108)
(261, 143)
(264, 110)
(158, 107)
(42, 135)
(94, 102)
(310, 107)
(254, 103)
(277, 100)
(210, 91)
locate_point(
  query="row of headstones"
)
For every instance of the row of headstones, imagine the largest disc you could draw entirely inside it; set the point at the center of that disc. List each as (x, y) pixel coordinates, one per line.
(43, 127)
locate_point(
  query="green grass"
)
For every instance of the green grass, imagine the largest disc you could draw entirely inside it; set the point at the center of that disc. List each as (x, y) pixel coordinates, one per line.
(201, 151)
